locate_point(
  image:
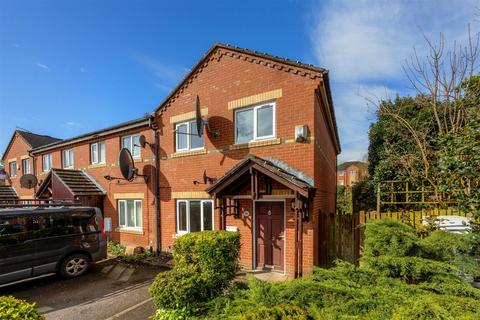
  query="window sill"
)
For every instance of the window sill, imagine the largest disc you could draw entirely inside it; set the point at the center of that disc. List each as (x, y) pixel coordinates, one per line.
(97, 165)
(188, 153)
(255, 144)
(129, 230)
(137, 159)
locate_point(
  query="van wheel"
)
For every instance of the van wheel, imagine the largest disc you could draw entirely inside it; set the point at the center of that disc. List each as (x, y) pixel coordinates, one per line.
(74, 265)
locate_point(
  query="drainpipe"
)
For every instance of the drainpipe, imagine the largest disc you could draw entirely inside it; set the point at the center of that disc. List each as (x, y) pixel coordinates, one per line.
(156, 184)
(34, 171)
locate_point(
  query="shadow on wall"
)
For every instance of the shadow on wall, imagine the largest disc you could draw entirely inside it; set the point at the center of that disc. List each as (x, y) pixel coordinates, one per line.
(225, 128)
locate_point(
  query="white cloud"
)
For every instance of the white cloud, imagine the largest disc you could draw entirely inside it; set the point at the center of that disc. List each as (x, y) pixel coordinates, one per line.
(42, 66)
(166, 75)
(364, 44)
(73, 124)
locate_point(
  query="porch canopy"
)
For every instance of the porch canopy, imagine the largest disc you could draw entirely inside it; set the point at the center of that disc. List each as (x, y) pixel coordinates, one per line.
(254, 178)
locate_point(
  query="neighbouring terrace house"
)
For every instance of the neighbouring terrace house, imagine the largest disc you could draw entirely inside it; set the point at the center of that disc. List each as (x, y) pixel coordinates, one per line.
(264, 165)
(350, 172)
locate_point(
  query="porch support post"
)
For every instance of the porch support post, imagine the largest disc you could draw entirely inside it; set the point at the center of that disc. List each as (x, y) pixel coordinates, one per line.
(223, 211)
(254, 183)
(300, 238)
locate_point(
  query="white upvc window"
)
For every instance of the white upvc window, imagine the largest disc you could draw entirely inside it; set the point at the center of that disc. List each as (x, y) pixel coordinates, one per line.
(132, 143)
(186, 136)
(13, 169)
(47, 162)
(194, 215)
(97, 152)
(341, 173)
(67, 158)
(352, 172)
(26, 166)
(130, 214)
(255, 123)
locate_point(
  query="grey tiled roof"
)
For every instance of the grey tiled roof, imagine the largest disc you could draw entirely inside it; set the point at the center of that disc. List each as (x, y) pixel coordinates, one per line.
(36, 140)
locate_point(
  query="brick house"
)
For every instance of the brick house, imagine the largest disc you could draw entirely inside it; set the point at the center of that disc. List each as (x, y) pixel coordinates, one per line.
(264, 165)
(350, 172)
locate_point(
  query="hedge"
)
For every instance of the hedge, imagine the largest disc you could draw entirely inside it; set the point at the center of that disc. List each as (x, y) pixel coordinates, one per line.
(12, 308)
(205, 265)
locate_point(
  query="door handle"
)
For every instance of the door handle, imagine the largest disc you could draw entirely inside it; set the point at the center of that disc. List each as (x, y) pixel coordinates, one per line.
(27, 241)
(281, 237)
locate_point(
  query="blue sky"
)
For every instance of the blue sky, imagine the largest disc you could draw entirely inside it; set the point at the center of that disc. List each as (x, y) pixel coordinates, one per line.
(69, 67)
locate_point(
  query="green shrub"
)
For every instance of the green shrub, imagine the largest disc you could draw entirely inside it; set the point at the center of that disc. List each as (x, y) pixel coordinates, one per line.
(205, 265)
(16, 309)
(212, 251)
(115, 249)
(279, 312)
(177, 314)
(181, 287)
(390, 237)
(412, 269)
(457, 249)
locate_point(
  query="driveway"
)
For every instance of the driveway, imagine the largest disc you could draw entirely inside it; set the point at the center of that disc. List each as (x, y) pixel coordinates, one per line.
(110, 290)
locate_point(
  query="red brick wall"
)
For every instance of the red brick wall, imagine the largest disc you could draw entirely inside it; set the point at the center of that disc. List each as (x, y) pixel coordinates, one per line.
(81, 156)
(18, 149)
(228, 79)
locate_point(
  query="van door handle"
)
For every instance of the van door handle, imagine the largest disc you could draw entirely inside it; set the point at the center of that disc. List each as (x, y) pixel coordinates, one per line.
(27, 241)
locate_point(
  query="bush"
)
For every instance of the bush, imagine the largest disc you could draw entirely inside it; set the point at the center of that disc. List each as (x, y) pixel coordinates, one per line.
(115, 249)
(178, 314)
(212, 251)
(205, 265)
(13, 309)
(279, 312)
(390, 237)
(181, 287)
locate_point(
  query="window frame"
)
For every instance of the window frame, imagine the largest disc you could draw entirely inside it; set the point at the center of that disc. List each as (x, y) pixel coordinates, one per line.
(49, 156)
(189, 139)
(14, 163)
(187, 201)
(29, 171)
(341, 173)
(255, 109)
(130, 136)
(99, 152)
(353, 173)
(125, 226)
(71, 158)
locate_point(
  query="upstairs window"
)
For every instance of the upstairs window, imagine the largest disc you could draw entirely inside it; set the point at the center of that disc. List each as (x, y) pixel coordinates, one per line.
(67, 158)
(341, 173)
(26, 166)
(47, 162)
(132, 143)
(194, 215)
(352, 172)
(13, 169)
(97, 152)
(255, 123)
(186, 136)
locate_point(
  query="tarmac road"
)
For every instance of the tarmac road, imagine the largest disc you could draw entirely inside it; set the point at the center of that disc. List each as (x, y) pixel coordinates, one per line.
(108, 291)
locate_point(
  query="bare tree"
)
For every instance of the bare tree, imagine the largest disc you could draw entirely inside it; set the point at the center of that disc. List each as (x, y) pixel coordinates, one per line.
(439, 78)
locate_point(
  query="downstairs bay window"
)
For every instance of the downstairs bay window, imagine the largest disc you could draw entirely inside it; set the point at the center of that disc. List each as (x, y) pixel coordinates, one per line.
(194, 215)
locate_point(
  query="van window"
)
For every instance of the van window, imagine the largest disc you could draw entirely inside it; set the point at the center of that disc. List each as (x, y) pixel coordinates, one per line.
(13, 229)
(51, 224)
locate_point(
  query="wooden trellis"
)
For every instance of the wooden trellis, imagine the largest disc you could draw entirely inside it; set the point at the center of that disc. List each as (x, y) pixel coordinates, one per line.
(404, 193)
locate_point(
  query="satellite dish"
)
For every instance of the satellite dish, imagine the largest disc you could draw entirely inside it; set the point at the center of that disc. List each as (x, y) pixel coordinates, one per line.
(28, 181)
(198, 117)
(143, 141)
(127, 166)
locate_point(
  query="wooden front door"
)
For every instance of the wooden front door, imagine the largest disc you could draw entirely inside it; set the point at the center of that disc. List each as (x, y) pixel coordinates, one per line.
(270, 235)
